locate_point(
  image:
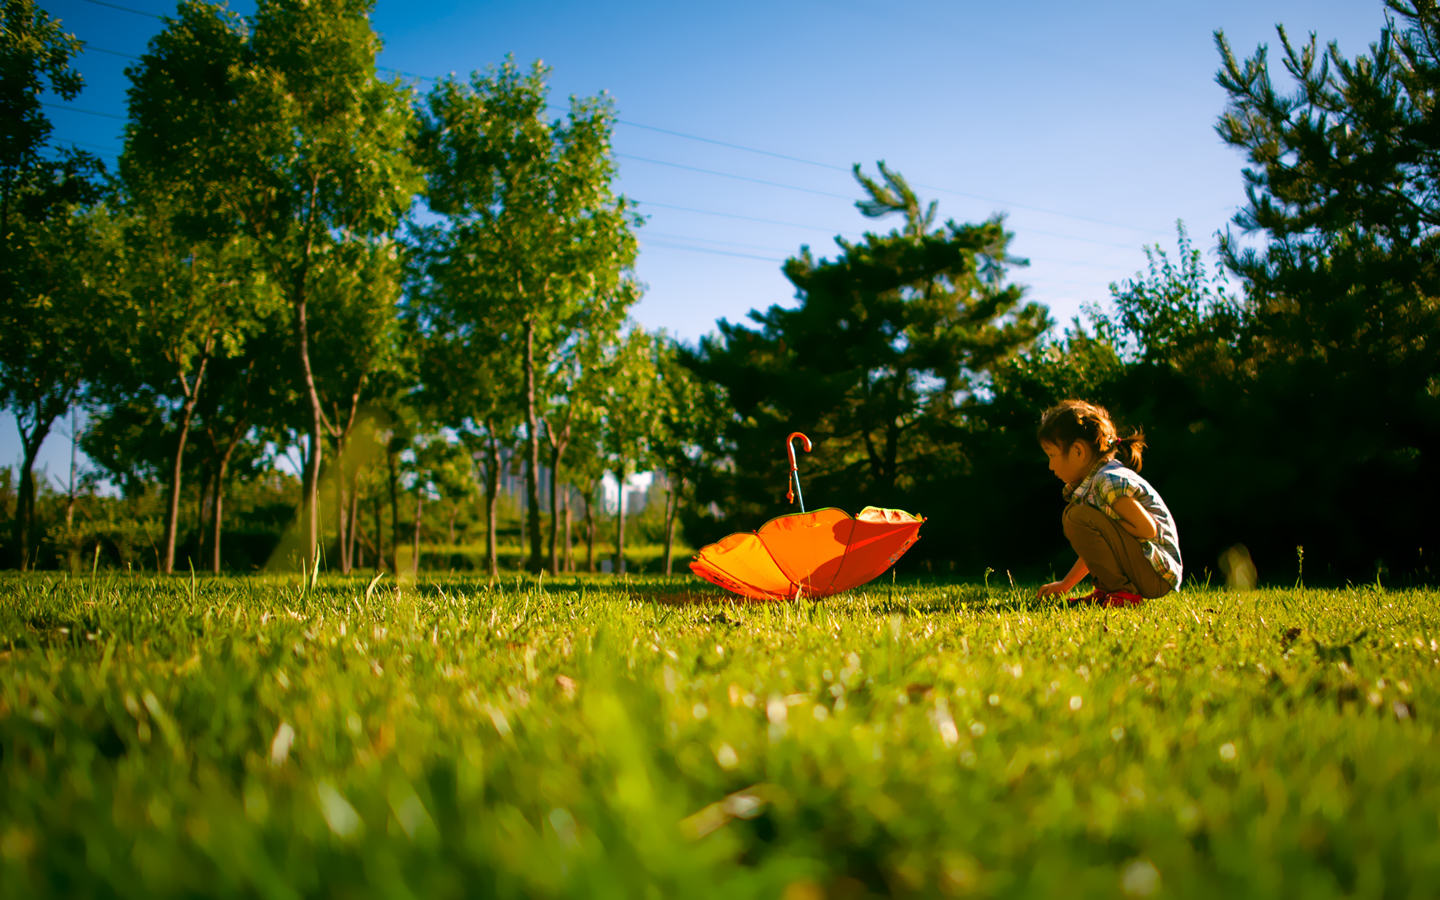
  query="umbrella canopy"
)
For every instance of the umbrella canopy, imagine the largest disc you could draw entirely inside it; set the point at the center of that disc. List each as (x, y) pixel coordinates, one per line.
(813, 554)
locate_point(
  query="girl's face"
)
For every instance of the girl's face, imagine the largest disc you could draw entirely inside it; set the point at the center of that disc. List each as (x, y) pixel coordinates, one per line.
(1069, 465)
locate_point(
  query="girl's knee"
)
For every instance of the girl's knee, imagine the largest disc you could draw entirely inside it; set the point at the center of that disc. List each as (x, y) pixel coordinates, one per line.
(1078, 515)
(1156, 593)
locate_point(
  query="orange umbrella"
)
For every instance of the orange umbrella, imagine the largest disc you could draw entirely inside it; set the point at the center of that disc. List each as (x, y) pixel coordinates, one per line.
(812, 554)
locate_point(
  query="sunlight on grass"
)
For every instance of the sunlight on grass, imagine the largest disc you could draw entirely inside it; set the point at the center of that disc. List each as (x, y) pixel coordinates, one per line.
(604, 736)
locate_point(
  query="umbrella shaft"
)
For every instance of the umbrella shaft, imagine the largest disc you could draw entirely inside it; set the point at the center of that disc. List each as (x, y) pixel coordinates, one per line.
(798, 496)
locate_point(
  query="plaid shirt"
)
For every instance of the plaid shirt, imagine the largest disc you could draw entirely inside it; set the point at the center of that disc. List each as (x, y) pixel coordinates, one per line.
(1108, 482)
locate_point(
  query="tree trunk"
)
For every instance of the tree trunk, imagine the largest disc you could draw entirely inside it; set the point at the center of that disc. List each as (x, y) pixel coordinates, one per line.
(25, 502)
(394, 518)
(532, 450)
(556, 450)
(353, 562)
(222, 476)
(672, 506)
(342, 508)
(310, 530)
(70, 500)
(419, 508)
(590, 532)
(569, 544)
(620, 521)
(72, 552)
(172, 507)
(217, 515)
(492, 499)
(202, 518)
(379, 535)
(524, 517)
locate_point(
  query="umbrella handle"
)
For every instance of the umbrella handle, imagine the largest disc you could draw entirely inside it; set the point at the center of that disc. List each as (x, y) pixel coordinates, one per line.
(793, 487)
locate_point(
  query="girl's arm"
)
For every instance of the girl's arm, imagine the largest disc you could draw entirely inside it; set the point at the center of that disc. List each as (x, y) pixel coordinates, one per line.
(1134, 518)
(1064, 586)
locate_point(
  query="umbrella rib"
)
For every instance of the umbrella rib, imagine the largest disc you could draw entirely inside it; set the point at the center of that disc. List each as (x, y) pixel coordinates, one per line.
(737, 579)
(714, 564)
(840, 568)
(774, 560)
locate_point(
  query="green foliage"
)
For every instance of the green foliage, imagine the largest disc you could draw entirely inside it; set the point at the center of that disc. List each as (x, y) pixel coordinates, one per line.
(886, 342)
(688, 438)
(1341, 293)
(1178, 314)
(690, 415)
(627, 422)
(628, 384)
(533, 257)
(52, 249)
(35, 54)
(279, 130)
(1342, 185)
(577, 737)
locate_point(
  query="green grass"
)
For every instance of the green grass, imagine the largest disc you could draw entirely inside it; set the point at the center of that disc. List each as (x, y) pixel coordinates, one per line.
(245, 737)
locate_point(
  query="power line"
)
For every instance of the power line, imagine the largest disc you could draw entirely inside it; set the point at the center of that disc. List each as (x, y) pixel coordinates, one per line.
(1067, 262)
(835, 168)
(687, 209)
(791, 187)
(692, 137)
(1053, 212)
(1071, 237)
(685, 237)
(665, 245)
(138, 12)
(809, 162)
(84, 144)
(88, 48)
(709, 212)
(78, 109)
(741, 147)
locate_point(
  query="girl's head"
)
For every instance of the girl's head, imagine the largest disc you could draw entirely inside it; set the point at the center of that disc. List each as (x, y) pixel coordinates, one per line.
(1075, 434)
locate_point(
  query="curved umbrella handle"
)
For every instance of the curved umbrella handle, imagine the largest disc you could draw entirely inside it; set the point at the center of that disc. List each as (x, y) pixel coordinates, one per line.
(792, 488)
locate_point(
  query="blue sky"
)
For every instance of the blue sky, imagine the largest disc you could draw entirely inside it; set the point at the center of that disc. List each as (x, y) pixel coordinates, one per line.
(1090, 125)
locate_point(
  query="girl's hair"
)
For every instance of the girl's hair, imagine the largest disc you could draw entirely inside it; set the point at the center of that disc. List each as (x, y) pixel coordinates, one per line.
(1076, 420)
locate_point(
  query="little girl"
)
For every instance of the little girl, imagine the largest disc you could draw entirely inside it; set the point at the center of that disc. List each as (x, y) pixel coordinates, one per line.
(1117, 523)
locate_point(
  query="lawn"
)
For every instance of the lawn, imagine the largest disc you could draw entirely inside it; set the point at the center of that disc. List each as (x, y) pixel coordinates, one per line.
(647, 738)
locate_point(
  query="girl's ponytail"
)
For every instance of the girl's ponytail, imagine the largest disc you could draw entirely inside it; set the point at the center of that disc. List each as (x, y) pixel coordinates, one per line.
(1129, 450)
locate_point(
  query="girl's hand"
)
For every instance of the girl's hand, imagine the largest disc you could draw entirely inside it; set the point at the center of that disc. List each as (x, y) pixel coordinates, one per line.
(1066, 585)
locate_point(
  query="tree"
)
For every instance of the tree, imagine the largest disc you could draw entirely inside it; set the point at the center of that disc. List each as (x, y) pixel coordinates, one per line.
(1176, 313)
(54, 259)
(283, 133)
(357, 339)
(585, 462)
(243, 393)
(444, 472)
(428, 455)
(533, 240)
(688, 440)
(183, 302)
(468, 372)
(627, 418)
(576, 388)
(886, 342)
(1343, 291)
